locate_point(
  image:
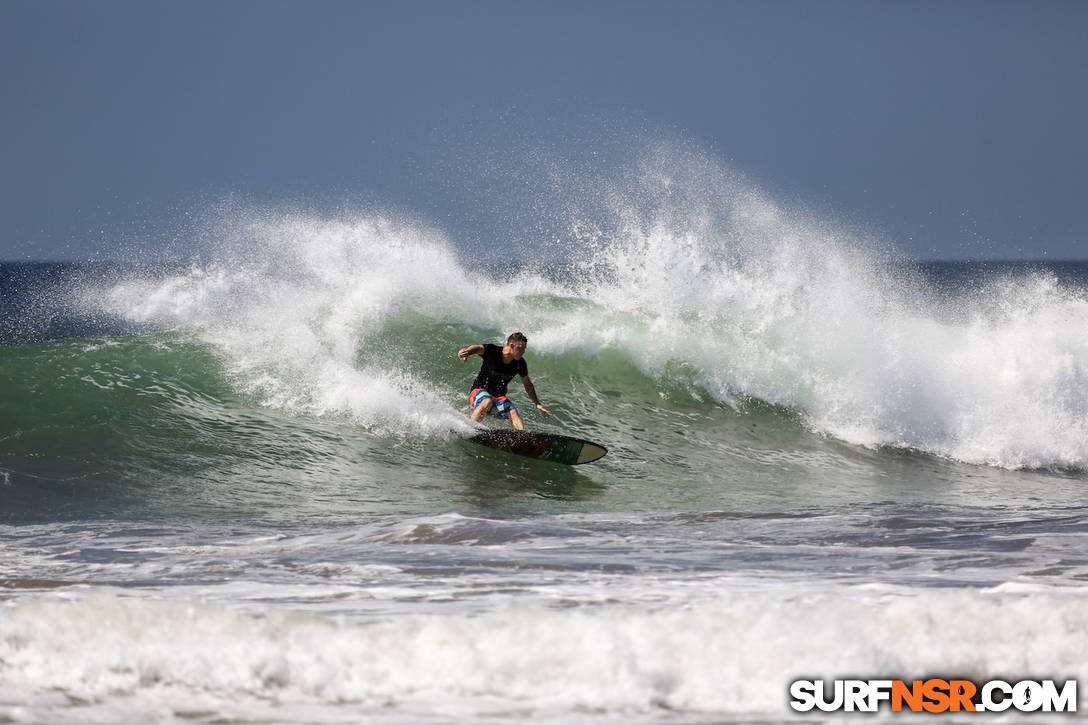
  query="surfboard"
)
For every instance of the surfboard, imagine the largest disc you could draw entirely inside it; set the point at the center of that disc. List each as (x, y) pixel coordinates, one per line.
(545, 446)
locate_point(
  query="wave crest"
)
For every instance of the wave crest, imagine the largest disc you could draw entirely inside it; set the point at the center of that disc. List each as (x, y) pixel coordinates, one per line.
(676, 262)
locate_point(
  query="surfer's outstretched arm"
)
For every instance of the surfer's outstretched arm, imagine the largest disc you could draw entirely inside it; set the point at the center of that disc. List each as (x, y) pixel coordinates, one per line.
(532, 395)
(465, 352)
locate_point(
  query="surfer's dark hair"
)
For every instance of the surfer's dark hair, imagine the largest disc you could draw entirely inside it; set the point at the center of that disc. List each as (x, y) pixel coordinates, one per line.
(517, 337)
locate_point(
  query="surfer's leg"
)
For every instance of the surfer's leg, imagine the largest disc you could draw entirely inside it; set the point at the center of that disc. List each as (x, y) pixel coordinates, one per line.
(505, 409)
(480, 410)
(481, 403)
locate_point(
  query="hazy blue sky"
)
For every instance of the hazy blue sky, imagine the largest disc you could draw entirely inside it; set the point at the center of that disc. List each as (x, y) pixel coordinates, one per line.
(957, 129)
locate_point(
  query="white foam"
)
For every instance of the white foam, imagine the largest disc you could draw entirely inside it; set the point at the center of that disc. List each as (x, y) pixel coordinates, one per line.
(785, 307)
(685, 263)
(291, 299)
(732, 656)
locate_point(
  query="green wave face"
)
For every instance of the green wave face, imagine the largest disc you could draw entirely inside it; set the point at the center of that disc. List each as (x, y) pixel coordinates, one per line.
(733, 356)
(161, 426)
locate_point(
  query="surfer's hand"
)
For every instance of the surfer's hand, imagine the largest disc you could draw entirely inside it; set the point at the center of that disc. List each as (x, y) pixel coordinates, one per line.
(543, 410)
(463, 354)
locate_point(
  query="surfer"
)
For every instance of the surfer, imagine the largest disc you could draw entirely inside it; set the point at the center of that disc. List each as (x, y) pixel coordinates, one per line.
(501, 364)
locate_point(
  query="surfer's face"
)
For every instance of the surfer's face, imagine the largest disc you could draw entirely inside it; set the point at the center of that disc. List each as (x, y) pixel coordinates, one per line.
(517, 349)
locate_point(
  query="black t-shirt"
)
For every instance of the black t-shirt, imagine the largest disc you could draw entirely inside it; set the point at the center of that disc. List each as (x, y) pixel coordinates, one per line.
(495, 374)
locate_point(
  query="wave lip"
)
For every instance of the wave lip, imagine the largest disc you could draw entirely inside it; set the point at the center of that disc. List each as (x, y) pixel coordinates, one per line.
(675, 263)
(291, 302)
(764, 302)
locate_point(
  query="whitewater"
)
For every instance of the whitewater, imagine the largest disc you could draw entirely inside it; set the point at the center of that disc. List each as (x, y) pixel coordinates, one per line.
(742, 301)
(238, 487)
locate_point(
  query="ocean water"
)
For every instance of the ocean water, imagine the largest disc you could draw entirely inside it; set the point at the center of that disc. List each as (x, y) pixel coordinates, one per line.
(238, 489)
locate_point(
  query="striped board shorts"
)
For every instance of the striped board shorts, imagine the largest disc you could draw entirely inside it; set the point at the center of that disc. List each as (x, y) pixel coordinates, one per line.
(501, 406)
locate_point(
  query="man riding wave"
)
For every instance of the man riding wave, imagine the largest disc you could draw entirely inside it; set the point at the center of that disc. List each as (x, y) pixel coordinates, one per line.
(500, 365)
